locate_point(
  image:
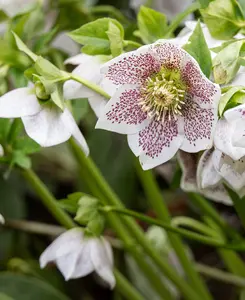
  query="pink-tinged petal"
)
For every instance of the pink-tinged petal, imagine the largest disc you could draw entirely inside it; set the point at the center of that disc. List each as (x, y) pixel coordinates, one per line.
(203, 91)
(47, 127)
(231, 171)
(21, 102)
(170, 55)
(199, 125)
(123, 113)
(132, 67)
(225, 133)
(188, 163)
(157, 143)
(207, 174)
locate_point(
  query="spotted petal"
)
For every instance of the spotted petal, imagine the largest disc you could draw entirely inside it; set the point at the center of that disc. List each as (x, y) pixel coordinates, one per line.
(199, 125)
(132, 67)
(21, 102)
(122, 113)
(157, 143)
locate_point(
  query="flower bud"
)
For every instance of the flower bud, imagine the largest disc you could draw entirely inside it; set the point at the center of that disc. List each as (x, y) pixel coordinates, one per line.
(41, 92)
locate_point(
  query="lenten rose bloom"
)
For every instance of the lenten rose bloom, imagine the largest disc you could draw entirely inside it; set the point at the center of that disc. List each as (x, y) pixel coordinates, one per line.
(44, 122)
(195, 175)
(163, 102)
(77, 256)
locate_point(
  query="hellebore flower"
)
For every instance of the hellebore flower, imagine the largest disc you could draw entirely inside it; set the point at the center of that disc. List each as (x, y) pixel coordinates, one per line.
(77, 256)
(88, 68)
(163, 102)
(229, 134)
(2, 221)
(195, 174)
(44, 122)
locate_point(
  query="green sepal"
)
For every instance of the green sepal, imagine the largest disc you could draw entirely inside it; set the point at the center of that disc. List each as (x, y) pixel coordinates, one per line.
(26, 145)
(96, 224)
(22, 47)
(198, 49)
(87, 209)
(71, 203)
(20, 159)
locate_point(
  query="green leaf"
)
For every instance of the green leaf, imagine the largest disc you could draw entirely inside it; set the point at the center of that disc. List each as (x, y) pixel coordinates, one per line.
(22, 47)
(227, 97)
(116, 39)
(21, 287)
(46, 69)
(152, 24)
(26, 145)
(204, 3)
(227, 62)
(80, 108)
(71, 203)
(94, 36)
(5, 297)
(224, 18)
(198, 48)
(57, 96)
(223, 45)
(242, 4)
(87, 209)
(20, 159)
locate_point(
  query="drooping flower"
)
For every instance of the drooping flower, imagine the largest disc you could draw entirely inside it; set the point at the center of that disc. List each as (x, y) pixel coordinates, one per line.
(88, 67)
(2, 221)
(44, 122)
(195, 175)
(163, 102)
(77, 256)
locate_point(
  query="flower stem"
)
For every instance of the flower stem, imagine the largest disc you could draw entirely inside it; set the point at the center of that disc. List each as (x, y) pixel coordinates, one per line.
(133, 228)
(48, 199)
(154, 196)
(90, 85)
(221, 275)
(125, 288)
(180, 17)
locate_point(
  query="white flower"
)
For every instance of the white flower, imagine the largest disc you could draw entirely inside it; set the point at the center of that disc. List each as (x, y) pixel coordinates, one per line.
(2, 221)
(200, 176)
(163, 102)
(89, 69)
(44, 122)
(77, 256)
(14, 7)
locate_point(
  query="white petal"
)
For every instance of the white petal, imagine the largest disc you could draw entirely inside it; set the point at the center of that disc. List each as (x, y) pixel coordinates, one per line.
(122, 113)
(232, 171)
(19, 103)
(157, 143)
(102, 261)
(63, 42)
(78, 59)
(239, 79)
(217, 193)
(79, 264)
(14, 7)
(89, 69)
(70, 241)
(224, 133)
(97, 104)
(2, 221)
(48, 127)
(206, 172)
(71, 124)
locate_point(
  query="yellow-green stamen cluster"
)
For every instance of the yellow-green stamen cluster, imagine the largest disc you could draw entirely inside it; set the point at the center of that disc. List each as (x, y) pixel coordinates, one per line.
(163, 94)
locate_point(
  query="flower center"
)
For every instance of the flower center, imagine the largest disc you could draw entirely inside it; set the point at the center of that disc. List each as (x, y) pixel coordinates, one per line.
(163, 94)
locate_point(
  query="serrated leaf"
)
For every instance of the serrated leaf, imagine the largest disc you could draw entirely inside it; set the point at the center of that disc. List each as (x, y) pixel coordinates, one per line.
(152, 24)
(198, 48)
(116, 39)
(22, 47)
(224, 18)
(94, 37)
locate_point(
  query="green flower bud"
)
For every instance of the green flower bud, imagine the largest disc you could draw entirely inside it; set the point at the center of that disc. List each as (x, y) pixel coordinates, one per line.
(41, 91)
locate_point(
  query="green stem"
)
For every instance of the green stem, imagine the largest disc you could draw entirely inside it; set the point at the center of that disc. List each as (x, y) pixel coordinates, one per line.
(61, 216)
(131, 43)
(154, 196)
(48, 199)
(180, 17)
(90, 85)
(133, 228)
(125, 288)
(128, 243)
(194, 224)
(184, 232)
(221, 275)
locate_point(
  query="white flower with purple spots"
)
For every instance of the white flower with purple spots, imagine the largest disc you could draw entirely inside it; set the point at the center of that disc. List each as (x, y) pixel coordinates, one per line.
(77, 256)
(163, 102)
(195, 174)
